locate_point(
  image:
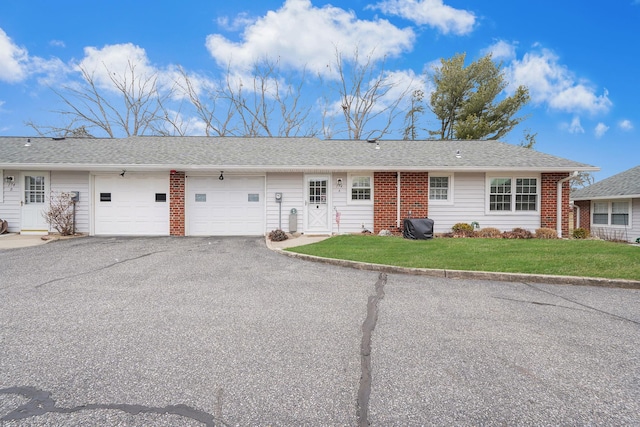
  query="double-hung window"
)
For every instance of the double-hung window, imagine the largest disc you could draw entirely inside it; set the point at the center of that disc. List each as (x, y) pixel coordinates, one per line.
(615, 213)
(441, 189)
(513, 194)
(360, 189)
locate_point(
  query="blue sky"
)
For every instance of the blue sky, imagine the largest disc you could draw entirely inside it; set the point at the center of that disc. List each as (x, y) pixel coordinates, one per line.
(579, 59)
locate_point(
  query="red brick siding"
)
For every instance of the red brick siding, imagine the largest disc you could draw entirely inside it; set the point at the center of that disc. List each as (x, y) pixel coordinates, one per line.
(585, 214)
(176, 204)
(414, 198)
(549, 195)
(415, 194)
(384, 201)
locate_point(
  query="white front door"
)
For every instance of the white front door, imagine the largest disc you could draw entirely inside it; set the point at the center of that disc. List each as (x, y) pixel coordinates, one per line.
(35, 203)
(317, 204)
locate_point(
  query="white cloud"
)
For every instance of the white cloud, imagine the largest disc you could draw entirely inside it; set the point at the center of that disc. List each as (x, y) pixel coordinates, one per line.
(552, 83)
(116, 61)
(57, 43)
(17, 65)
(300, 35)
(600, 130)
(502, 50)
(236, 24)
(625, 125)
(433, 13)
(575, 126)
(13, 60)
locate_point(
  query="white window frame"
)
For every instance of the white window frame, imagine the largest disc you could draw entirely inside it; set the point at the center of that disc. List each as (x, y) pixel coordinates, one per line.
(512, 211)
(449, 199)
(350, 179)
(609, 204)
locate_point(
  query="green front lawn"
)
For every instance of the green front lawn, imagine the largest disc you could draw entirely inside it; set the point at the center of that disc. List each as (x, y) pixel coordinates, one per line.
(589, 258)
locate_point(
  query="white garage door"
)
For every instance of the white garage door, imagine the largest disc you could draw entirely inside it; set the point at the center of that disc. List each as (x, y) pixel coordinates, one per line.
(230, 207)
(131, 205)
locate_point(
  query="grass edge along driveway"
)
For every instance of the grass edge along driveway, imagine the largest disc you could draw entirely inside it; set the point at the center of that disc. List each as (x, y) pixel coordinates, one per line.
(586, 258)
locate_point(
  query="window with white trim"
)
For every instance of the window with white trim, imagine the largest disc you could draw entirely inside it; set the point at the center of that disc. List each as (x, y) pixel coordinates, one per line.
(504, 196)
(360, 189)
(439, 188)
(613, 213)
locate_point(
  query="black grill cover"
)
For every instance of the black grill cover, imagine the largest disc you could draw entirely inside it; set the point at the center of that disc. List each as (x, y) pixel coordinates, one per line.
(418, 228)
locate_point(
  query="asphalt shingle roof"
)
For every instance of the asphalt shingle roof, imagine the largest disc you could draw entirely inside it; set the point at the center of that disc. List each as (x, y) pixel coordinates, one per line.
(189, 153)
(624, 184)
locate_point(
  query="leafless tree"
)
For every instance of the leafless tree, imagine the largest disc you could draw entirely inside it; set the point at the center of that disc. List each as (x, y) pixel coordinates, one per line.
(264, 102)
(131, 106)
(367, 97)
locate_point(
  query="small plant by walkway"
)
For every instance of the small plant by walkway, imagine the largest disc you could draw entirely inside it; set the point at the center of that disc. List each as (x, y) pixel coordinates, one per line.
(587, 258)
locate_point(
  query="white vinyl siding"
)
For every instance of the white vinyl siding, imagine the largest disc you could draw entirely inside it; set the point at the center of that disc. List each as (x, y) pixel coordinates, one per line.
(291, 185)
(10, 203)
(74, 181)
(471, 204)
(353, 216)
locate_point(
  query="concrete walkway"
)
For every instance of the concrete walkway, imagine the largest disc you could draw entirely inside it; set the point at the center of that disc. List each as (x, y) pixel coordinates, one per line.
(16, 240)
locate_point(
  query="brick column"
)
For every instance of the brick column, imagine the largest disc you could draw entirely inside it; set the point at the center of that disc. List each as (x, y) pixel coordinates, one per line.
(176, 204)
(414, 196)
(549, 195)
(384, 201)
(585, 214)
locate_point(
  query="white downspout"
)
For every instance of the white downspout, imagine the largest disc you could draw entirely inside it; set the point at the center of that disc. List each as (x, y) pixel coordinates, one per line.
(398, 200)
(559, 203)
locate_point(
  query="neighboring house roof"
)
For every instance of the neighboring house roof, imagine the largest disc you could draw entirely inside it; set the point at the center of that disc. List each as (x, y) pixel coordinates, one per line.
(623, 185)
(274, 154)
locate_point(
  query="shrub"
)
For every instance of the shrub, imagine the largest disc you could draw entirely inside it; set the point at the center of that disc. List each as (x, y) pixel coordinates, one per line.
(489, 233)
(580, 233)
(517, 233)
(278, 236)
(462, 229)
(546, 233)
(60, 213)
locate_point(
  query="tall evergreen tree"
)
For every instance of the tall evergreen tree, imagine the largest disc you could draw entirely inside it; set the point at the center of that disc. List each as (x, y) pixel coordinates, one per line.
(464, 100)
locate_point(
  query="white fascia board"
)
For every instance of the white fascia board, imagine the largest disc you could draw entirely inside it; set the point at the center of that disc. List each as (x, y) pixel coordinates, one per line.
(281, 168)
(616, 197)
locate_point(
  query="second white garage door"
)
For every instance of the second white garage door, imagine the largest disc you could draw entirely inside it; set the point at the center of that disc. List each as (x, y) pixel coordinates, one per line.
(230, 207)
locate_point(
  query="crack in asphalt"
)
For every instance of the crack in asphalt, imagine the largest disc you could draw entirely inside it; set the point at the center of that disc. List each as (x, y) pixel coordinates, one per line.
(40, 403)
(583, 305)
(538, 303)
(97, 269)
(369, 324)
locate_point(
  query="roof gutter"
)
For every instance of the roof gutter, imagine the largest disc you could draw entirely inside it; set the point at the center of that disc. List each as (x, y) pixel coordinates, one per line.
(559, 202)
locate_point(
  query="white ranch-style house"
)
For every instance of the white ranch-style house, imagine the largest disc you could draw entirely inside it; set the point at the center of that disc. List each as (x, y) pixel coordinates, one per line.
(206, 186)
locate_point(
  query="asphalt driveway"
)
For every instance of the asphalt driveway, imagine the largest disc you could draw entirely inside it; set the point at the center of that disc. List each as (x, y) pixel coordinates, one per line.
(223, 331)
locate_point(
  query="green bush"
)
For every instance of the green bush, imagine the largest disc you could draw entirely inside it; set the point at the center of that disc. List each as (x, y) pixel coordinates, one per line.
(546, 233)
(580, 233)
(462, 229)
